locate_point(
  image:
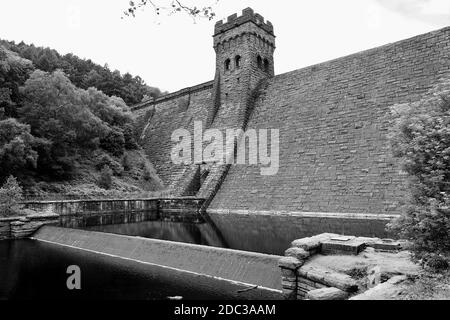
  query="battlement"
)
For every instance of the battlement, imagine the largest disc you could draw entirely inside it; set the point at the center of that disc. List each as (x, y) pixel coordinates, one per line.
(248, 15)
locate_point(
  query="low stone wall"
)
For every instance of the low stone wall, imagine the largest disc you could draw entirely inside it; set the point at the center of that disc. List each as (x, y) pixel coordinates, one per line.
(24, 226)
(71, 207)
(85, 213)
(181, 209)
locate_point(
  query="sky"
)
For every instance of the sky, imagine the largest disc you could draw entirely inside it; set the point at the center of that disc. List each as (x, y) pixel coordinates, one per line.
(174, 52)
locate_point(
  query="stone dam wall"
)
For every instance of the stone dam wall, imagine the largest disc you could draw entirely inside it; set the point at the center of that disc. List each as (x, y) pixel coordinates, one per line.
(333, 120)
(158, 119)
(248, 268)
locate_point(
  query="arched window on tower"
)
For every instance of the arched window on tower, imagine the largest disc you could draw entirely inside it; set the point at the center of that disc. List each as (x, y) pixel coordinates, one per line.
(227, 64)
(259, 61)
(237, 61)
(266, 65)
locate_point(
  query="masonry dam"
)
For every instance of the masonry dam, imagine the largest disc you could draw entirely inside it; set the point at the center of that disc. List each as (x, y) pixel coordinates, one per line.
(336, 173)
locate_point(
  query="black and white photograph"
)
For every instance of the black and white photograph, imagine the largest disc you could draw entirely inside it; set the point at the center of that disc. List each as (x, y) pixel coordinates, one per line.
(225, 158)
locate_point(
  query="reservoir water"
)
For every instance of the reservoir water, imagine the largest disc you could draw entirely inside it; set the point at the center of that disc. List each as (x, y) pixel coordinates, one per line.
(30, 269)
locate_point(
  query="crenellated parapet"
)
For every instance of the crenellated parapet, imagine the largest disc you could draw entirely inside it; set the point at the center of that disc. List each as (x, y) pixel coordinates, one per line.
(248, 15)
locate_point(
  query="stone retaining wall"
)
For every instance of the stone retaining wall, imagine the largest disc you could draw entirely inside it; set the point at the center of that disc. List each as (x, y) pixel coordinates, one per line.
(84, 213)
(22, 227)
(303, 280)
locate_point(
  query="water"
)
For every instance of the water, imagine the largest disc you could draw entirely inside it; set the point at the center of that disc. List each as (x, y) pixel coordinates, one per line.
(254, 234)
(202, 234)
(31, 269)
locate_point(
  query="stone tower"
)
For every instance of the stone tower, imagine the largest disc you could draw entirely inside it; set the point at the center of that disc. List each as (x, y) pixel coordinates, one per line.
(244, 49)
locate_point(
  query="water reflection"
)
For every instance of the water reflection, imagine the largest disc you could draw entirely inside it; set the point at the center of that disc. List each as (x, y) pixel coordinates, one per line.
(202, 234)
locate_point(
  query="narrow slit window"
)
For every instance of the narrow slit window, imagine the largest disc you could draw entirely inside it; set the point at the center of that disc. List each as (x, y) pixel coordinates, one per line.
(266, 65)
(259, 61)
(238, 62)
(227, 64)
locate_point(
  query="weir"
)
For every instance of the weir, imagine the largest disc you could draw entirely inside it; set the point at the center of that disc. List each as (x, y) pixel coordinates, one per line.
(245, 268)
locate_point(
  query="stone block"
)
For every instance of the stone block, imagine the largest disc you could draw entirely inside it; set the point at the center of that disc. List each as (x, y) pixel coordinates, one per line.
(304, 287)
(289, 294)
(329, 277)
(386, 245)
(343, 246)
(289, 263)
(289, 285)
(307, 244)
(298, 253)
(327, 294)
(288, 273)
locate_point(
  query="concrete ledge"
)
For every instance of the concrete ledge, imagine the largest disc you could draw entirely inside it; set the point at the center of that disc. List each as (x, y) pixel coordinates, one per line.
(238, 266)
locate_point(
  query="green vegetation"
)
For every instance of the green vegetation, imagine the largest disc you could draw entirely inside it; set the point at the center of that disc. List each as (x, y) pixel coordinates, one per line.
(421, 139)
(56, 137)
(105, 180)
(10, 196)
(84, 73)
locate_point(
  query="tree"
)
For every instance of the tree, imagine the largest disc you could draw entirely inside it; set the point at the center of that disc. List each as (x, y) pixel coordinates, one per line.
(114, 142)
(147, 174)
(129, 136)
(420, 137)
(17, 148)
(175, 6)
(64, 115)
(14, 70)
(126, 162)
(10, 196)
(81, 72)
(105, 180)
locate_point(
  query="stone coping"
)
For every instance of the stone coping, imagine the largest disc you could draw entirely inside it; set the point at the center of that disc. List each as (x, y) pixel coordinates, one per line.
(337, 215)
(169, 96)
(31, 217)
(109, 200)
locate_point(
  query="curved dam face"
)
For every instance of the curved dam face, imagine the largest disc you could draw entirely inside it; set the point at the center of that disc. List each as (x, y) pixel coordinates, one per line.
(246, 269)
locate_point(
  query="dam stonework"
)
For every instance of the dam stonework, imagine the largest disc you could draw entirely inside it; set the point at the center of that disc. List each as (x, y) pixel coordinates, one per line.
(333, 119)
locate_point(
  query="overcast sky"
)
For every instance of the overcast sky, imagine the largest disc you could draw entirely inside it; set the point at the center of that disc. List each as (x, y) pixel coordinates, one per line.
(174, 52)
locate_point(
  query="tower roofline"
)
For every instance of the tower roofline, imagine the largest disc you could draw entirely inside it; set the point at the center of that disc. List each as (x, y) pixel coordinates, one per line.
(248, 15)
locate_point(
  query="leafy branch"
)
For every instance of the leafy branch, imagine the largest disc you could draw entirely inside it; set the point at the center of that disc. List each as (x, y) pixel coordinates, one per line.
(174, 7)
